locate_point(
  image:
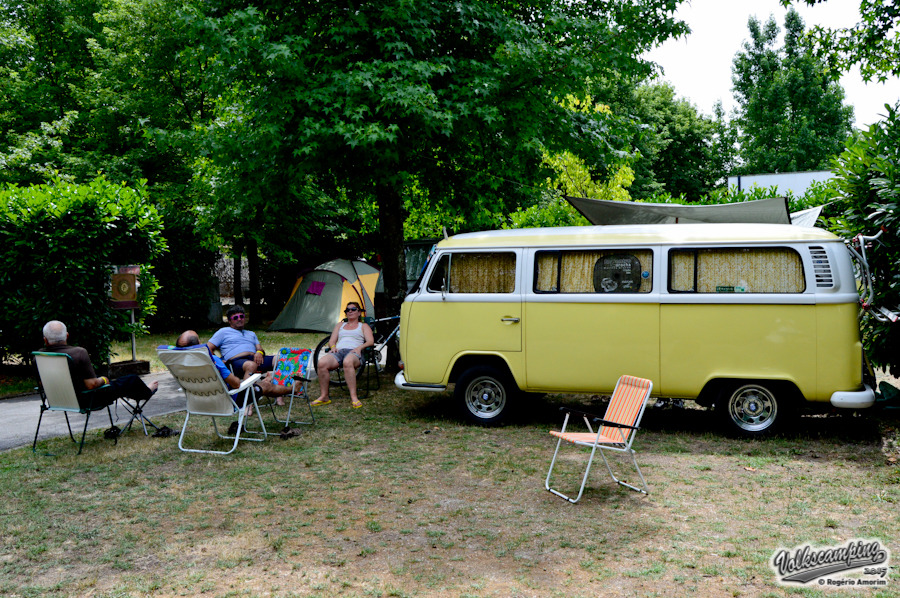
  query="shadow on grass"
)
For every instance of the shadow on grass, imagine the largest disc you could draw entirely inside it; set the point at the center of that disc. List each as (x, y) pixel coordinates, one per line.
(692, 429)
(546, 410)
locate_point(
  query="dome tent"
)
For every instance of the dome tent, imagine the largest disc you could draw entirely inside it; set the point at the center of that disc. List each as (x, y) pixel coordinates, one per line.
(319, 296)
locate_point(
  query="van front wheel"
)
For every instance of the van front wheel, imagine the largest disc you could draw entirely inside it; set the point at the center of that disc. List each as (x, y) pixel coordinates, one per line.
(752, 409)
(483, 395)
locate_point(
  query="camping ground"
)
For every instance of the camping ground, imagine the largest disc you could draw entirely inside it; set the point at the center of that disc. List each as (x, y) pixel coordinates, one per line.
(402, 499)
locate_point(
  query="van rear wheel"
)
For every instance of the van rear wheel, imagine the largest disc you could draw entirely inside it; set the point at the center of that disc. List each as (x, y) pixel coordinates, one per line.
(483, 395)
(753, 409)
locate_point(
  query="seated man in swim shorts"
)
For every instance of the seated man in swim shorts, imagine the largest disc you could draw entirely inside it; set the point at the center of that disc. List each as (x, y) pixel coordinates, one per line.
(240, 348)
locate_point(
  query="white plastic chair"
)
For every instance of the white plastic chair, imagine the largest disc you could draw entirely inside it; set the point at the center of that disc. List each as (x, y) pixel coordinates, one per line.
(207, 394)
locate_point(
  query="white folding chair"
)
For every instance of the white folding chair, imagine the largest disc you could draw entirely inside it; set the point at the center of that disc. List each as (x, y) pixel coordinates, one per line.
(207, 394)
(615, 431)
(58, 394)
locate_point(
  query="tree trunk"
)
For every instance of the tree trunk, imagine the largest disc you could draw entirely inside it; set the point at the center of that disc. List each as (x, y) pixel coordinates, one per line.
(253, 267)
(236, 285)
(390, 219)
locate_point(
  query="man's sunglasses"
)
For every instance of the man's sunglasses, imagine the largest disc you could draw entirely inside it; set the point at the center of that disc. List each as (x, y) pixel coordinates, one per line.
(349, 309)
(237, 317)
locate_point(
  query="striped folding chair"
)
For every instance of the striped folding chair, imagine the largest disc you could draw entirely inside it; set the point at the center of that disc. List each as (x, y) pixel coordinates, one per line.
(615, 431)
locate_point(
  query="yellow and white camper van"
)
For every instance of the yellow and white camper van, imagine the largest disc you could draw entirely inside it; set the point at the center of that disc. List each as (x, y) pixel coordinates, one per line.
(758, 319)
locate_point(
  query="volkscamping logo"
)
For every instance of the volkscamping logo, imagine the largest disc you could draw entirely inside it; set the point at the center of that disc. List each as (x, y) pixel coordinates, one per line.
(805, 564)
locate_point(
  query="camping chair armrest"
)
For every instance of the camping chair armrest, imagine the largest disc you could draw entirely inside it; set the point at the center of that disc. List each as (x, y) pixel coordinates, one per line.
(249, 381)
(593, 416)
(298, 377)
(597, 419)
(91, 394)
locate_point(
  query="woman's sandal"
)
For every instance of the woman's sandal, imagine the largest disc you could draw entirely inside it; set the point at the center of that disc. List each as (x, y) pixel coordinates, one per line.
(318, 402)
(356, 404)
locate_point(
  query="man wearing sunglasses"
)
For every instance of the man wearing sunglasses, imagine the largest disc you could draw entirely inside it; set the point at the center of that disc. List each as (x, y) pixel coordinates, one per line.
(240, 348)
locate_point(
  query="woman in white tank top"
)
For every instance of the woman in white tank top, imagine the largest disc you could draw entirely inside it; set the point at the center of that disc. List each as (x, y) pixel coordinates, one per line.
(348, 340)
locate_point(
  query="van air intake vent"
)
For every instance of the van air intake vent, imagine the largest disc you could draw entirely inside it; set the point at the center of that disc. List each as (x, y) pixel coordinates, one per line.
(821, 267)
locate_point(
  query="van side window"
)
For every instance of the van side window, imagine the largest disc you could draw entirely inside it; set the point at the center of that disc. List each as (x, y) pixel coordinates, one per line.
(493, 272)
(736, 270)
(594, 271)
(439, 275)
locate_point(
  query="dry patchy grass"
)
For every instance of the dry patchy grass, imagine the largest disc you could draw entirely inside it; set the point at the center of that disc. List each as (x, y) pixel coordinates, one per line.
(400, 499)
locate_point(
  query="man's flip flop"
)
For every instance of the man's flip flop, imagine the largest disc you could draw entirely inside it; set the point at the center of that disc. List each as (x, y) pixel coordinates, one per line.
(318, 402)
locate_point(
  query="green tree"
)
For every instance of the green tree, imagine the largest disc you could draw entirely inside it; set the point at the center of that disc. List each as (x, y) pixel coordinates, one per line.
(790, 115)
(453, 99)
(677, 148)
(111, 86)
(872, 43)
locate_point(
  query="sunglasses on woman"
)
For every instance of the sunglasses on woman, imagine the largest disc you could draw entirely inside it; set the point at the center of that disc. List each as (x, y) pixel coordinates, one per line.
(349, 309)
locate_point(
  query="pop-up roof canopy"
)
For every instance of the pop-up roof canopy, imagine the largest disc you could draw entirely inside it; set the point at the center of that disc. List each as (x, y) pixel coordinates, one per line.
(771, 211)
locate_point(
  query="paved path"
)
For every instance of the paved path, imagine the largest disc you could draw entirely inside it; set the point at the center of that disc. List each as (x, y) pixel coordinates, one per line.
(19, 416)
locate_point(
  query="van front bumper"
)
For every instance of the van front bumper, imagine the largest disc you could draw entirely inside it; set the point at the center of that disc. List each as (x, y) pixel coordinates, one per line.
(401, 383)
(860, 399)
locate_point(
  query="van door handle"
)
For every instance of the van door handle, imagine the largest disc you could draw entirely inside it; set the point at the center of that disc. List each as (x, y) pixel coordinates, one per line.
(513, 320)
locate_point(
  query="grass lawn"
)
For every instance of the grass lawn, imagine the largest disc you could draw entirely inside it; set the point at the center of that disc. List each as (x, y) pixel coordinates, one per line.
(400, 498)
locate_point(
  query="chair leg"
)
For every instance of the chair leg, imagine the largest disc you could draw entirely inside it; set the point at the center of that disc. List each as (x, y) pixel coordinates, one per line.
(40, 417)
(645, 490)
(262, 424)
(137, 413)
(587, 470)
(87, 418)
(312, 418)
(112, 425)
(69, 426)
(237, 436)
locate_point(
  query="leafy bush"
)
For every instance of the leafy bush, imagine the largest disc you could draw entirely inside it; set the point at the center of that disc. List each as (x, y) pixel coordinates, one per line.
(867, 174)
(58, 243)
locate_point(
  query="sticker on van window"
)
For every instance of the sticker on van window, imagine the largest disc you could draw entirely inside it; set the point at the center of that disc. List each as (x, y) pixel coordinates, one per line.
(617, 273)
(724, 289)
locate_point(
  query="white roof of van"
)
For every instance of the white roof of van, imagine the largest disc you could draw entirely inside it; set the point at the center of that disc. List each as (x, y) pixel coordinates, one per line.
(641, 234)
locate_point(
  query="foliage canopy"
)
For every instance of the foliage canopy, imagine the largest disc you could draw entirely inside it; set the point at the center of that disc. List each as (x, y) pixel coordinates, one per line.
(790, 115)
(58, 243)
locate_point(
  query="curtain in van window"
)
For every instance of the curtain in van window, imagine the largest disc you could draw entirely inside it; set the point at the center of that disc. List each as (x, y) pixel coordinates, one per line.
(482, 273)
(681, 271)
(737, 270)
(547, 268)
(573, 271)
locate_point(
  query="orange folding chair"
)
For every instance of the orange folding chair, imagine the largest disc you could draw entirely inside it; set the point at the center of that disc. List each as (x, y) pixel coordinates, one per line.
(615, 431)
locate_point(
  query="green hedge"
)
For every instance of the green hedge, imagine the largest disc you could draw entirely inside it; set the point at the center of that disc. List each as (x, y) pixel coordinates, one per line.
(867, 174)
(58, 242)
